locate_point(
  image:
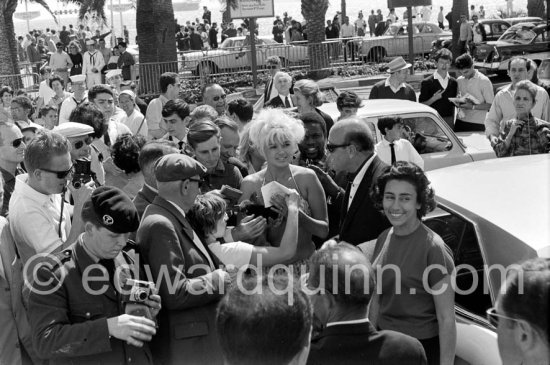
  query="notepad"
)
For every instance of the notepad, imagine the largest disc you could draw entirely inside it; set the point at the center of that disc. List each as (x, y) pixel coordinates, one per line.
(273, 188)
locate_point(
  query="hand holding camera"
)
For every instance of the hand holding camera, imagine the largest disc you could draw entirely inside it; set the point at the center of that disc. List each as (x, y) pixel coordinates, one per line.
(140, 298)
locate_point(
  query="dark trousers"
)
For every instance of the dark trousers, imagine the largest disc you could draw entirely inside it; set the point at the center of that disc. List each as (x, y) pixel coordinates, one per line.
(441, 25)
(349, 46)
(462, 126)
(431, 348)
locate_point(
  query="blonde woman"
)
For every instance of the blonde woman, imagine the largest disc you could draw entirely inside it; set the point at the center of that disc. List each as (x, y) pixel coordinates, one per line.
(308, 98)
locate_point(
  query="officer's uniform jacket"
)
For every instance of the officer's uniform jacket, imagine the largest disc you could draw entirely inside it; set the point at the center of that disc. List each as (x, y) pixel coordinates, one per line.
(69, 316)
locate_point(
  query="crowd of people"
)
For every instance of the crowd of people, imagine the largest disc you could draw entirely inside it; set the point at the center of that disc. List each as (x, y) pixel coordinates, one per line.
(135, 232)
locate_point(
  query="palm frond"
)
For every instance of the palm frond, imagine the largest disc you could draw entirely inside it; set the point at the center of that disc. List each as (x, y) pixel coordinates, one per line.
(45, 6)
(89, 7)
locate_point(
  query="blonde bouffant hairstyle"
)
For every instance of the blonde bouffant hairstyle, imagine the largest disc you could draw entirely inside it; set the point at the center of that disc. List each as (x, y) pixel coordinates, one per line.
(275, 126)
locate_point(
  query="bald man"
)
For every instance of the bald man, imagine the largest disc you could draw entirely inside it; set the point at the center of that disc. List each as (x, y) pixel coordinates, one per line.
(214, 95)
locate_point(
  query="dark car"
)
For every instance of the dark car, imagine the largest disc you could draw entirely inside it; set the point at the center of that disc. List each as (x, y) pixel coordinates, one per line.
(494, 28)
(521, 39)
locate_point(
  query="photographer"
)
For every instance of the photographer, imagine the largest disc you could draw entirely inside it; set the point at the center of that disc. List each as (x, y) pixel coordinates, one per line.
(37, 198)
(78, 315)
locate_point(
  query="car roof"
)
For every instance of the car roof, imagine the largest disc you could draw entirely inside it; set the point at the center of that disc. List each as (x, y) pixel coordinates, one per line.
(377, 107)
(512, 193)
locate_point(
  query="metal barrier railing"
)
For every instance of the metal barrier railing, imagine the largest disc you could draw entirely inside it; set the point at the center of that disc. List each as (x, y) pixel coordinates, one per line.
(29, 82)
(149, 74)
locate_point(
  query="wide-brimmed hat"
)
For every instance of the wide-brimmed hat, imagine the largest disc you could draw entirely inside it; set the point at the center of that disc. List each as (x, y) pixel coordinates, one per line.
(398, 64)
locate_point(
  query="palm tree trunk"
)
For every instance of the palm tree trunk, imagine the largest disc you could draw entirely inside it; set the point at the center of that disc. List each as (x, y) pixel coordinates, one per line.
(314, 12)
(156, 38)
(8, 48)
(343, 6)
(536, 8)
(460, 7)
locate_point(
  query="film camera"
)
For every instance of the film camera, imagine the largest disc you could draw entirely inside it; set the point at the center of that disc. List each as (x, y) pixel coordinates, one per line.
(247, 207)
(134, 295)
(82, 173)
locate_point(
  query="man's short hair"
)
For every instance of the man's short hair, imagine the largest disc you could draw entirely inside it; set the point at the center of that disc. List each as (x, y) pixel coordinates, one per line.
(350, 285)
(122, 44)
(521, 58)
(99, 89)
(23, 101)
(201, 131)
(178, 107)
(314, 118)
(225, 122)
(46, 109)
(282, 75)
(152, 151)
(242, 108)
(356, 132)
(464, 61)
(388, 123)
(203, 112)
(283, 312)
(43, 147)
(167, 78)
(348, 99)
(207, 86)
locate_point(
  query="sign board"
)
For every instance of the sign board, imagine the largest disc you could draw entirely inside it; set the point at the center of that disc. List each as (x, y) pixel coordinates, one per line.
(406, 3)
(252, 9)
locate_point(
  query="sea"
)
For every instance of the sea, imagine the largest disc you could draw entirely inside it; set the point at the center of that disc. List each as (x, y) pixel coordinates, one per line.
(192, 9)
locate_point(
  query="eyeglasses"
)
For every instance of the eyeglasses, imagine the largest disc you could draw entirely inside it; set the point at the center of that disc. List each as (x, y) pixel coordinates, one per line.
(17, 142)
(79, 144)
(60, 174)
(217, 98)
(493, 316)
(272, 67)
(198, 181)
(332, 147)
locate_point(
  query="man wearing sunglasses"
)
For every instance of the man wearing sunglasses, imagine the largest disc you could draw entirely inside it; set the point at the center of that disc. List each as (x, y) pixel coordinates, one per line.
(79, 136)
(214, 95)
(40, 221)
(12, 152)
(193, 282)
(350, 149)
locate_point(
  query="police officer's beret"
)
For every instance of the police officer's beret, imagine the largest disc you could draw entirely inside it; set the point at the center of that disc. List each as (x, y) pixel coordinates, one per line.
(114, 209)
(175, 166)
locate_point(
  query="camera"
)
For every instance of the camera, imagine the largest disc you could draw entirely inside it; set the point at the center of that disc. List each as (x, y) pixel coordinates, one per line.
(258, 210)
(82, 173)
(134, 295)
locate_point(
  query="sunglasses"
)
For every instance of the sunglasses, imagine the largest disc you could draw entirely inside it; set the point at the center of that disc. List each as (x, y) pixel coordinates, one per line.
(217, 98)
(272, 67)
(332, 147)
(198, 181)
(61, 174)
(79, 144)
(17, 142)
(493, 317)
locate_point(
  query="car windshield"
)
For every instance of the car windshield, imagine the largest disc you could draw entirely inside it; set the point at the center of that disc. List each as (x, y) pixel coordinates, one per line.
(520, 34)
(231, 43)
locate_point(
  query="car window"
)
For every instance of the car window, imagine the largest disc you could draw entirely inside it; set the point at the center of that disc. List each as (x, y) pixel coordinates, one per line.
(461, 238)
(238, 43)
(427, 28)
(426, 135)
(490, 29)
(372, 123)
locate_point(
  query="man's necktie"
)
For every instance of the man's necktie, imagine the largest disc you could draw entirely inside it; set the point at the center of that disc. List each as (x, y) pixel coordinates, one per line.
(392, 153)
(180, 143)
(109, 265)
(287, 103)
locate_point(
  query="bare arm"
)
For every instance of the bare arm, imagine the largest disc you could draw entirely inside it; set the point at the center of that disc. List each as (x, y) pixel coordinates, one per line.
(445, 311)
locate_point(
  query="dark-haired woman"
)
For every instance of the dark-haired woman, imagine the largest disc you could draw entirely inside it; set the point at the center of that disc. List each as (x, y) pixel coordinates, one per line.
(424, 308)
(6, 96)
(521, 314)
(76, 58)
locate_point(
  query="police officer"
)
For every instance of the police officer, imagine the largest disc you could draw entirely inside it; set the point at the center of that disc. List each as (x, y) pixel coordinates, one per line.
(76, 309)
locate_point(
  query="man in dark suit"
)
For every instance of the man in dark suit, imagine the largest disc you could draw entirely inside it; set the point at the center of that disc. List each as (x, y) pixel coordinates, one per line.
(348, 337)
(351, 150)
(273, 63)
(76, 306)
(282, 82)
(195, 40)
(148, 156)
(191, 283)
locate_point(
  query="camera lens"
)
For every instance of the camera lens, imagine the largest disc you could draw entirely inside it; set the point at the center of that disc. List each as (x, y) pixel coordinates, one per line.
(77, 184)
(141, 295)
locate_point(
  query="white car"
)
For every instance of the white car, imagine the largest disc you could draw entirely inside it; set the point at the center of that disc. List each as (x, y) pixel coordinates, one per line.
(491, 214)
(395, 41)
(434, 140)
(234, 55)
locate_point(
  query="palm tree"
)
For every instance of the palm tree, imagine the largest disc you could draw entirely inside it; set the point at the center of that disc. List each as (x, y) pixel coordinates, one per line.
(314, 12)
(8, 45)
(536, 8)
(460, 7)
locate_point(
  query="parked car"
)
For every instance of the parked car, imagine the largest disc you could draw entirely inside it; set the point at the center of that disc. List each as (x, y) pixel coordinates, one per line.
(526, 39)
(494, 28)
(234, 54)
(524, 19)
(543, 72)
(434, 140)
(491, 214)
(395, 41)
